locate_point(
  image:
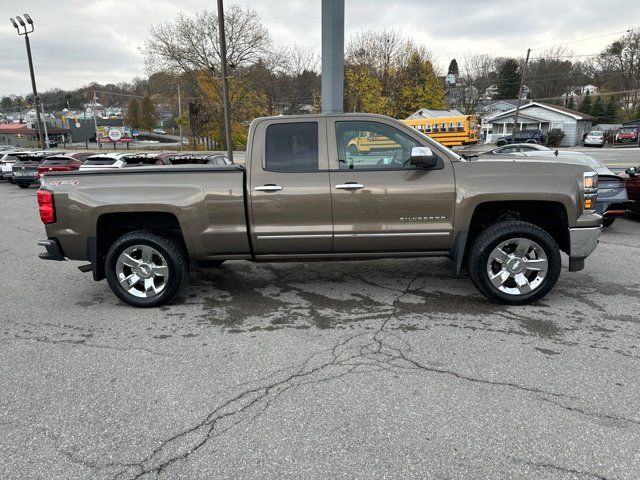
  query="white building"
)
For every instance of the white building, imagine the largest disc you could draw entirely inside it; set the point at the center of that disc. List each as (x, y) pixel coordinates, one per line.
(540, 116)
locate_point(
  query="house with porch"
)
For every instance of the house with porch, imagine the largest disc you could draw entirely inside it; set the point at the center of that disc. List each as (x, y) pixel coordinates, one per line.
(539, 116)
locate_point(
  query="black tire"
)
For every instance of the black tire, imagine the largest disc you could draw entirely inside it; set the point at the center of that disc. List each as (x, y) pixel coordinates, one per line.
(11, 180)
(501, 143)
(607, 222)
(501, 232)
(23, 184)
(353, 150)
(176, 259)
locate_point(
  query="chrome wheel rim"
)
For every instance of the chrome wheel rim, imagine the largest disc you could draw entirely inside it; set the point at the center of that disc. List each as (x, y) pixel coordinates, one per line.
(142, 271)
(517, 266)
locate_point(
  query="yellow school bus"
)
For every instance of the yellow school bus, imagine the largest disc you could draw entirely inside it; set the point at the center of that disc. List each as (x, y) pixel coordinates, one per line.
(451, 131)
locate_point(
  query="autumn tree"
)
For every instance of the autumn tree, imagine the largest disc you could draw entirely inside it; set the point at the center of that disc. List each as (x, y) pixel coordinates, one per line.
(420, 87)
(132, 117)
(363, 91)
(147, 113)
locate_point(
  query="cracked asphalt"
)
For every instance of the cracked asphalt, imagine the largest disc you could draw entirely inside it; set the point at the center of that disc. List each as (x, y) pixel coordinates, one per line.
(355, 370)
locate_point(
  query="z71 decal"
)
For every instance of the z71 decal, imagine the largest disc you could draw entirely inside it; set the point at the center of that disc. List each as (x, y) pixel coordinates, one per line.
(58, 183)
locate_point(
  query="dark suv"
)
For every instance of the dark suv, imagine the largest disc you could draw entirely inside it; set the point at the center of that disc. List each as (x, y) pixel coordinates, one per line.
(523, 136)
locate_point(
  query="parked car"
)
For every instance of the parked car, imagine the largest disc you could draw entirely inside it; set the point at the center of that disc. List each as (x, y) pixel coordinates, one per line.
(612, 194)
(103, 161)
(522, 136)
(631, 178)
(198, 159)
(301, 196)
(626, 135)
(140, 159)
(517, 147)
(25, 170)
(159, 131)
(63, 163)
(595, 139)
(7, 160)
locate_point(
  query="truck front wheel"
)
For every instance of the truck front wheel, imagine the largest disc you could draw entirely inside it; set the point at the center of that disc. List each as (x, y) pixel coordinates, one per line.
(146, 270)
(514, 263)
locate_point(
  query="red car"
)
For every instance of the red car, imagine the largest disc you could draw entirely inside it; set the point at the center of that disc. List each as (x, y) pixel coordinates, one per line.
(63, 163)
(632, 182)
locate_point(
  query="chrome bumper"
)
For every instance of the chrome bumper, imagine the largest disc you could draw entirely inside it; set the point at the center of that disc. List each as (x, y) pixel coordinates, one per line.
(583, 241)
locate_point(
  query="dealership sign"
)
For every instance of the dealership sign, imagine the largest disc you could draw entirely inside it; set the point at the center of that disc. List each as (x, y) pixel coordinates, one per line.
(114, 134)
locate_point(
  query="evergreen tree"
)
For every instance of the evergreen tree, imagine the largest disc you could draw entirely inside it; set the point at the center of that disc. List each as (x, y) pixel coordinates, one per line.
(509, 79)
(597, 109)
(612, 110)
(133, 114)
(6, 103)
(585, 105)
(420, 87)
(571, 103)
(453, 68)
(147, 113)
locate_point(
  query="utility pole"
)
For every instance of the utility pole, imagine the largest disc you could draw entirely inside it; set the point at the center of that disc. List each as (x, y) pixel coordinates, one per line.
(515, 115)
(95, 118)
(36, 100)
(44, 123)
(225, 85)
(180, 117)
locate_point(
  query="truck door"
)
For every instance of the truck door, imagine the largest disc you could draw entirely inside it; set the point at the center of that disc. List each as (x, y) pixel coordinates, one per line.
(290, 198)
(382, 203)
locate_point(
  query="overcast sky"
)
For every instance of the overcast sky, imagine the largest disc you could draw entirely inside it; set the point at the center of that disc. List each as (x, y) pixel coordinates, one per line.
(80, 41)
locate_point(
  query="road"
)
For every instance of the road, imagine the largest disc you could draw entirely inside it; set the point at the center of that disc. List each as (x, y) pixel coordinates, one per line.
(376, 369)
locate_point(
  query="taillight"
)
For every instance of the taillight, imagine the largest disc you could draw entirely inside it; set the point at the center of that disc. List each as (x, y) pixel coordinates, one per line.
(46, 207)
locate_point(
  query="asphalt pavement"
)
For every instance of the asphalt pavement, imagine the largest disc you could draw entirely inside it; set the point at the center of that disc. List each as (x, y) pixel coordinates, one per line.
(354, 370)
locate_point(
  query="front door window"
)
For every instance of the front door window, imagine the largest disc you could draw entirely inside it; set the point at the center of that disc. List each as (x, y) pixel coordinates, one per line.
(373, 146)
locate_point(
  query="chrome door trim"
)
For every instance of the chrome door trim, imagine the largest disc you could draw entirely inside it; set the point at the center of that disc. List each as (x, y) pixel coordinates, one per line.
(280, 237)
(408, 234)
(268, 188)
(349, 186)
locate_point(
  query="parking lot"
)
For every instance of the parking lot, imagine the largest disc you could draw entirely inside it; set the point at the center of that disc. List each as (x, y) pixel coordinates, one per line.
(375, 369)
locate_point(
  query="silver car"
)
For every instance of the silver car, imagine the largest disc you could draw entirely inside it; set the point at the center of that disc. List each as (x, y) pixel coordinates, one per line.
(595, 139)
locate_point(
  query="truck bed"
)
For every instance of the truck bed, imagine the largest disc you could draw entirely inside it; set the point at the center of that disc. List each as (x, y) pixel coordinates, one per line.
(206, 201)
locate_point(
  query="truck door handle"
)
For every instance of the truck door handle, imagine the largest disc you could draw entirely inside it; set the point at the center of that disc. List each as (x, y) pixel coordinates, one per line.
(268, 188)
(349, 186)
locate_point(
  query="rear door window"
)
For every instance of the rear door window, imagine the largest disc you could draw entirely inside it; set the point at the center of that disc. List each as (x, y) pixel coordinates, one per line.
(292, 147)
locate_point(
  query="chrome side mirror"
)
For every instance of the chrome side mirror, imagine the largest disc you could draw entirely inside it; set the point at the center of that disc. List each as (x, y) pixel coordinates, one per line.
(423, 157)
(631, 171)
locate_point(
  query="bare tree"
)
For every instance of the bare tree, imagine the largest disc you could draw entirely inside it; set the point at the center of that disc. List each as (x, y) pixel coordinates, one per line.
(476, 74)
(617, 68)
(190, 44)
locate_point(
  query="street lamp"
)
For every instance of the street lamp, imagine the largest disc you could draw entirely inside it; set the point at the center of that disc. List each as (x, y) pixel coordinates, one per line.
(24, 30)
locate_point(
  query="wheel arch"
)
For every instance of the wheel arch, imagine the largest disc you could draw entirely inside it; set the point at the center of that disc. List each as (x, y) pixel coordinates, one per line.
(112, 225)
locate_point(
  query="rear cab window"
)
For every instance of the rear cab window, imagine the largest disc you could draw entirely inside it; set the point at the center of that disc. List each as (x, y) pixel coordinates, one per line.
(100, 161)
(291, 147)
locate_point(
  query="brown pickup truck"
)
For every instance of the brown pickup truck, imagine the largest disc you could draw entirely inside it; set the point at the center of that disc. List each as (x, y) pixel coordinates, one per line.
(304, 195)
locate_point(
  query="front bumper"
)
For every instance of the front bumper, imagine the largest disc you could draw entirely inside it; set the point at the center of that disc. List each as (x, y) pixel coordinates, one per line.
(583, 241)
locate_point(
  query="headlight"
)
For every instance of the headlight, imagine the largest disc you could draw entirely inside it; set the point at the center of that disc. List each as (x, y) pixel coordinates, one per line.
(590, 181)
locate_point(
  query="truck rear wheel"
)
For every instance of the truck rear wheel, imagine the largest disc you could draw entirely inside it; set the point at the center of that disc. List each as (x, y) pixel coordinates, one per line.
(23, 184)
(146, 270)
(514, 263)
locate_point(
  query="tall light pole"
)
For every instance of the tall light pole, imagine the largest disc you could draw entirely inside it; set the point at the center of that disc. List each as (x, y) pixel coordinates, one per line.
(225, 84)
(26, 30)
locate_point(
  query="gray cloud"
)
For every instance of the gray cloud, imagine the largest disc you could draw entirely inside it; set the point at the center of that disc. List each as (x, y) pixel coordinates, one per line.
(77, 42)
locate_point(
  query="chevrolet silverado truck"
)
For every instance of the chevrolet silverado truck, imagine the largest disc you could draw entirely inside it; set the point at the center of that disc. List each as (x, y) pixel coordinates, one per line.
(303, 194)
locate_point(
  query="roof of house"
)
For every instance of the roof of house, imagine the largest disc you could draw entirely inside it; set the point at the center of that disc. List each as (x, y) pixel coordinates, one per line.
(557, 108)
(13, 127)
(426, 113)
